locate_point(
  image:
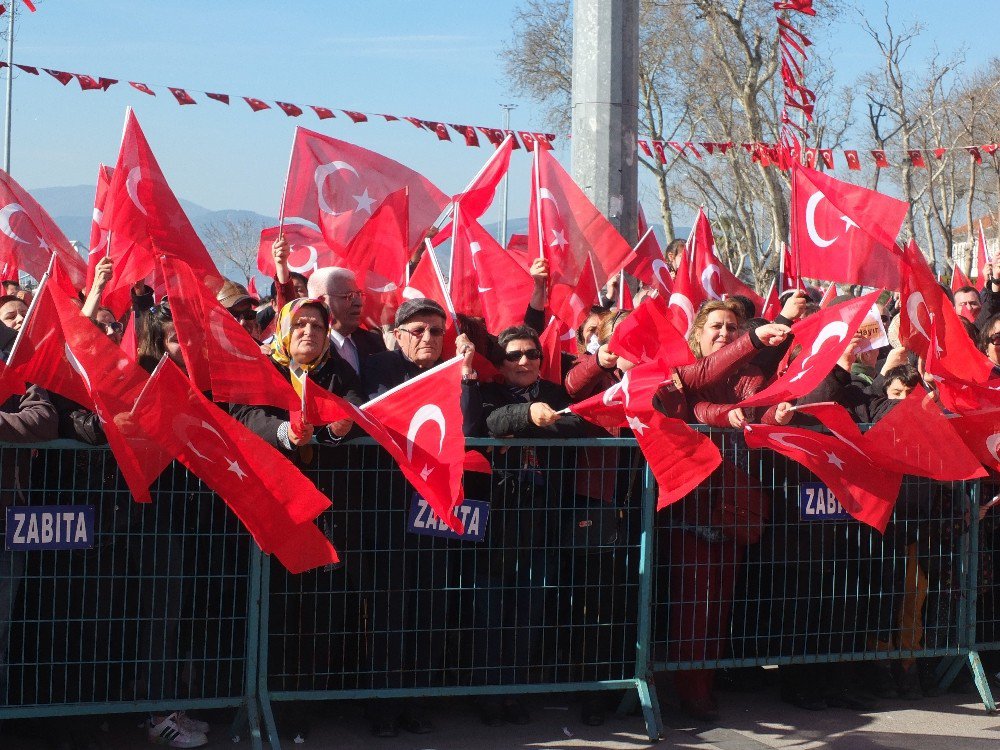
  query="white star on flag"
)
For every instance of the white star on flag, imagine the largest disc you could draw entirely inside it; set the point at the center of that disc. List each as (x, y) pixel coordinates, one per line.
(236, 469)
(364, 201)
(426, 472)
(849, 223)
(636, 425)
(835, 460)
(558, 238)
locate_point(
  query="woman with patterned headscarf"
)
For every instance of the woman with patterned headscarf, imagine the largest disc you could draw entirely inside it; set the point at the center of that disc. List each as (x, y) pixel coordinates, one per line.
(301, 349)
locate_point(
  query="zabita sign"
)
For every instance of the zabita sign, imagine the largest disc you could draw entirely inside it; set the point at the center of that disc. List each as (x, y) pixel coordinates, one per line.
(818, 503)
(50, 527)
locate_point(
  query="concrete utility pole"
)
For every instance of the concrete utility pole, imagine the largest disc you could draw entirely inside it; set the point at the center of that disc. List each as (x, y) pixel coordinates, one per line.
(10, 89)
(606, 107)
(503, 205)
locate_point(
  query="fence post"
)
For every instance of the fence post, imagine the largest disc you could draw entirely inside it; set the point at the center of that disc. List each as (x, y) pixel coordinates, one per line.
(647, 549)
(978, 674)
(263, 694)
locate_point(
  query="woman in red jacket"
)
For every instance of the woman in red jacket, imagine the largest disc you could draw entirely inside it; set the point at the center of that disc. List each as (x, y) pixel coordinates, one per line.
(710, 529)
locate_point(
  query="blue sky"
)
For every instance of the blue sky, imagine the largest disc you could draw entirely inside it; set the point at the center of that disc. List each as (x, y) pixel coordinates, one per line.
(434, 60)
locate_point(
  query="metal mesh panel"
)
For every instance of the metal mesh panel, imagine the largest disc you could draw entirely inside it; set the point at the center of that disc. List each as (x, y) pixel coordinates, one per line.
(156, 611)
(743, 577)
(550, 595)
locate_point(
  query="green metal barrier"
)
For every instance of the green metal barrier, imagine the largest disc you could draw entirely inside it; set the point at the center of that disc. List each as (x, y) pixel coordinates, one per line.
(552, 598)
(577, 584)
(159, 614)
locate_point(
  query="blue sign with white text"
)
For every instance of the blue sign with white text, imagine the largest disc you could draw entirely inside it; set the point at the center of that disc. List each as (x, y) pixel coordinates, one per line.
(50, 527)
(818, 503)
(472, 513)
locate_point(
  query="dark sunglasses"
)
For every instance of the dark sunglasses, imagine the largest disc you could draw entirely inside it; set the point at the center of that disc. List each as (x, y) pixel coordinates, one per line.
(419, 331)
(994, 339)
(515, 356)
(250, 314)
(113, 328)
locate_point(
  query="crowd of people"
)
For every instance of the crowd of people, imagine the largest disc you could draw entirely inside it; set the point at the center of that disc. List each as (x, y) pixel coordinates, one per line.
(570, 500)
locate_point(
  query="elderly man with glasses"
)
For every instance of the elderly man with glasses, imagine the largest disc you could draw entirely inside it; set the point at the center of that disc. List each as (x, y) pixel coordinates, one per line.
(338, 287)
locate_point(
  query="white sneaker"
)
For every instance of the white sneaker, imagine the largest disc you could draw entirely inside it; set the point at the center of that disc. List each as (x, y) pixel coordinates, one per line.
(192, 724)
(172, 733)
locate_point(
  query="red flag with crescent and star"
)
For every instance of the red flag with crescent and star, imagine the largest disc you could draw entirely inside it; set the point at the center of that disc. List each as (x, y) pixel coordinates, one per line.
(145, 218)
(219, 355)
(926, 315)
(29, 237)
(866, 490)
(687, 296)
(485, 281)
(272, 498)
(379, 254)
(98, 237)
(337, 186)
(647, 263)
(307, 250)
(981, 433)
(715, 278)
(958, 279)
(844, 232)
(420, 424)
(824, 337)
(566, 228)
(647, 335)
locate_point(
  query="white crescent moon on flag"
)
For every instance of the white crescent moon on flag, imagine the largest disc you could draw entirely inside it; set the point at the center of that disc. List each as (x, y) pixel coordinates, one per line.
(426, 413)
(219, 334)
(659, 269)
(78, 367)
(837, 328)
(814, 201)
(706, 281)
(679, 300)
(388, 286)
(132, 188)
(181, 425)
(310, 265)
(475, 247)
(991, 445)
(5, 215)
(319, 176)
(781, 438)
(410, 292)
(913, 303)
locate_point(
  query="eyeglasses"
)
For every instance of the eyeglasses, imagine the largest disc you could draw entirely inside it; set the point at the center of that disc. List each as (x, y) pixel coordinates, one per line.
(419, 331)
(355, 296)
(515, 356)
(244, 314)
(112, 329)
(994, 339)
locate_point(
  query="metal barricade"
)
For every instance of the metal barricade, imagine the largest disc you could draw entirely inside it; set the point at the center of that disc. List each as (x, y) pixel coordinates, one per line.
(550, 597)
(761, 566)
(156, 612)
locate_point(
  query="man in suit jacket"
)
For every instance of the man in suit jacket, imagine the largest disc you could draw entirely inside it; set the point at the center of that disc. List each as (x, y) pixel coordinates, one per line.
(339, 288)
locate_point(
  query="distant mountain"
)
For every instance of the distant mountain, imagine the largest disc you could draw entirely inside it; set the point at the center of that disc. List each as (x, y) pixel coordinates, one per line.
(520, 226)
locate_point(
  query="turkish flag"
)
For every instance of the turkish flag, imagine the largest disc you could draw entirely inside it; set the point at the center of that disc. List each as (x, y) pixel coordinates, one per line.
(89, 83)
(981, 433)
(98, 236)
(337, 186)
(790, 278)
(853, 162)
(307, 250)
(292, 110)
(647, 263)
(420, 424)
(679, 457)
(824, 337)
(60, 75)
(916, 438)
(552, 348)
(485, 281)
(478, 195)
(219, 355)
(982, 258)
(828, 296)
(772, 304)
(139, 86)
(866, 490)
(378, 254)
(323, 113)
(570, 301)
(62, 351)
(716, 279)
(626, 400)
(8, 267)
(256, 104)
(687, 296)
(146, 219)
(647, 335)
(494, 136)
(182, 96)
(565, 227)
(958, 279)
(926, 315)
(272, 498)
(468, 132)
(843, 232)
(224, 98)
(356, 117)
(29, 237)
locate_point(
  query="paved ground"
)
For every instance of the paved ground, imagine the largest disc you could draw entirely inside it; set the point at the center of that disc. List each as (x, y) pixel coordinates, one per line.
(749, 721)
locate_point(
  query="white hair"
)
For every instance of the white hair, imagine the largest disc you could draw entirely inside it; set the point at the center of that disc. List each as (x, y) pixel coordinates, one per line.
(324, 279)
